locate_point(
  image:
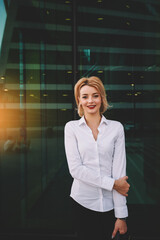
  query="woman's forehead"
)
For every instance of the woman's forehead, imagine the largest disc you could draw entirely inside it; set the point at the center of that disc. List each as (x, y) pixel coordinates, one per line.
(88, 90)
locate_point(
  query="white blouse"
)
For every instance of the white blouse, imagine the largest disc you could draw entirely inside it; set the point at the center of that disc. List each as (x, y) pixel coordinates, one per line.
(95, 164)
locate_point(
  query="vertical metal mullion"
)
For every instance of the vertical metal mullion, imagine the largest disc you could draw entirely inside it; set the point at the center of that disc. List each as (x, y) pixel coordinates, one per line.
(44, 157)
(23, 155)
(43, 117)
(74, 46)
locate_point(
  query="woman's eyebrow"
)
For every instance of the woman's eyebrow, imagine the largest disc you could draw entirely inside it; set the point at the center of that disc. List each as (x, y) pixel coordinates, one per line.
(92, 93)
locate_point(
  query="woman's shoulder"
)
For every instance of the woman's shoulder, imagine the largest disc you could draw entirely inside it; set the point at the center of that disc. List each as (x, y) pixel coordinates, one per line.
(72, 123)
(115, 123)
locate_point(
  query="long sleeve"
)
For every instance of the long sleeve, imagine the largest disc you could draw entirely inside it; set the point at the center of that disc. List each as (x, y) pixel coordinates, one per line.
(76, 167)
(118, 171)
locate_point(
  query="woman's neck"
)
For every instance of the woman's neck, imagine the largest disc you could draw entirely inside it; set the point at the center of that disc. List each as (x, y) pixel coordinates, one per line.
(93, 120)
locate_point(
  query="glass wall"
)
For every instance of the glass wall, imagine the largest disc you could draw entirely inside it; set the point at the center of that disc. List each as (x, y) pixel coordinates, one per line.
(46, 47)
(35, 103)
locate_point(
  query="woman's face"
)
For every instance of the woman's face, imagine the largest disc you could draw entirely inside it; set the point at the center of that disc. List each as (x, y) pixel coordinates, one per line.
(90, 100)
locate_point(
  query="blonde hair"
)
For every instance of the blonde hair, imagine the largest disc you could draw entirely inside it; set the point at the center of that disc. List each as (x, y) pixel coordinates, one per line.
(92, 82)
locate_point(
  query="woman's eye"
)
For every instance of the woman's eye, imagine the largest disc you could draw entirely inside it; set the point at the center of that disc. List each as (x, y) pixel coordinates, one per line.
(84, 97)
(96, 96)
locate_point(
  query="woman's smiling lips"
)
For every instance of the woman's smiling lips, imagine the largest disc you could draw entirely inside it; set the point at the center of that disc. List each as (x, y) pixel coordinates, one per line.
(91, 106)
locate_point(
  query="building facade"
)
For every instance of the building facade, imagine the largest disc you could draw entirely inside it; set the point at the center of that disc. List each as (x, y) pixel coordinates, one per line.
(46, 46)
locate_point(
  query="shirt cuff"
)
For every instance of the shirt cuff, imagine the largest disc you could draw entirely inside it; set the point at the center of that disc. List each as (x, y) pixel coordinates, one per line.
(107, 183)
(121, 212)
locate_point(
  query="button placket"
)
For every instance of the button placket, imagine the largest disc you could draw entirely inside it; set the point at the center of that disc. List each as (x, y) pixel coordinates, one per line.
(100, 190)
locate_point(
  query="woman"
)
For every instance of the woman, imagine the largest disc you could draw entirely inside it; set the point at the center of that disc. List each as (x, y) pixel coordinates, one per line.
(95, 151)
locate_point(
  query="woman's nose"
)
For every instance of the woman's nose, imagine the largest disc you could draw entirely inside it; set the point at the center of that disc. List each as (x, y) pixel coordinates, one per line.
(90, 99)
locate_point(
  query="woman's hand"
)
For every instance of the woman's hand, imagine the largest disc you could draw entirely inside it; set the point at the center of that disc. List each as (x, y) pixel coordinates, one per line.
(121, 226)
(122, 186)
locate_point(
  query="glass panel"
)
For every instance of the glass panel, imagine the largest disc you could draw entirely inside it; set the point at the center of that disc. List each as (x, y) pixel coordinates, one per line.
(35, 103)
(119, 42)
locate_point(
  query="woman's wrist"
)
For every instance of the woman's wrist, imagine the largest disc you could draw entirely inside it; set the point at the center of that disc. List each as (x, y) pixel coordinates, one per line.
(115, 185)
(123, 219)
